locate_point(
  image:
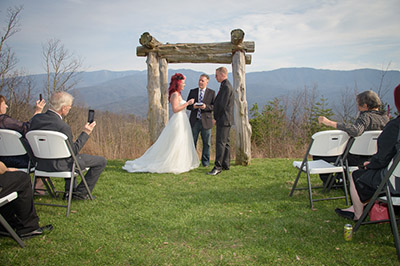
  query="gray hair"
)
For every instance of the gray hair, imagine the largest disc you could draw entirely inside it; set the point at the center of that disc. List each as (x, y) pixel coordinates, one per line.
(370, 98)
(59, 99)
(222, 70)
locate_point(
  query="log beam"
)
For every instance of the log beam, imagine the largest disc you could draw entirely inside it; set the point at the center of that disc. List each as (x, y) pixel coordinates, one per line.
(204, 58)
(165, 50)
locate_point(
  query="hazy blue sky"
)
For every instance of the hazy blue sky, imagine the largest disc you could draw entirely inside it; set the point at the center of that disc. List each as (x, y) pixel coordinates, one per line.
(327, 34)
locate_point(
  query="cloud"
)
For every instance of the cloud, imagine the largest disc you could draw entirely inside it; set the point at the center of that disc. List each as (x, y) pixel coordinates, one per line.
(321, 34)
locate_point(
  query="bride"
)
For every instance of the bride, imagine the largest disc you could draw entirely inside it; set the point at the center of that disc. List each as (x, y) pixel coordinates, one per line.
(174, 150)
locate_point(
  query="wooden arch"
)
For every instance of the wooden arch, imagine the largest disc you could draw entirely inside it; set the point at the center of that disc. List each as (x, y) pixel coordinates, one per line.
(233, 52)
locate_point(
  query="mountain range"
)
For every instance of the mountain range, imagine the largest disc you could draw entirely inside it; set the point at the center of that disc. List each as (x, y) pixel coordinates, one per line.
(126, 91)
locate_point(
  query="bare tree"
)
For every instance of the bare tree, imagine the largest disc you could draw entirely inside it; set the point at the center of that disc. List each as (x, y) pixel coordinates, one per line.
(382, 90)
(346, 110)
(8, 60)
(62, 66)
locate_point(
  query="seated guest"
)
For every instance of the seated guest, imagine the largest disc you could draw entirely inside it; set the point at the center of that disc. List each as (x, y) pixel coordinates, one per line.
(60, 104)
(19, 213)
(370, 118)
(6, 122)
(364, 182)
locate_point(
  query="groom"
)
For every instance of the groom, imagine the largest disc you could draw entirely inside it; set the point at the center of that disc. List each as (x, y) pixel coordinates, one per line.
(223, 114)
(201, 116)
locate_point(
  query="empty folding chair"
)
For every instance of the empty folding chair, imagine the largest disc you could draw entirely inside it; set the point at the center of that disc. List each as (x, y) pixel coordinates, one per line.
(324, 143)
(4, 223)
(52, 145)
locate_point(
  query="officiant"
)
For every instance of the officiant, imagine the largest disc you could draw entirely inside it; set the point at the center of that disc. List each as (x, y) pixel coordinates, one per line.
(201, 116)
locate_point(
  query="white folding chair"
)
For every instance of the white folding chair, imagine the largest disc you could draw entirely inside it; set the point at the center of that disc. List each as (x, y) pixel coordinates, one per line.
(364, 145)
(3, 201)
(52, 145)
(11, 145)
(384, 187)
(324, 143)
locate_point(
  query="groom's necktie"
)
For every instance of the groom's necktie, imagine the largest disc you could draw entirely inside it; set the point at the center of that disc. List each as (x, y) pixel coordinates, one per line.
(200, 101)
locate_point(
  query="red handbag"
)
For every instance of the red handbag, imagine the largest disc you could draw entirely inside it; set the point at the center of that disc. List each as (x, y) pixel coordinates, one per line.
(379, 211)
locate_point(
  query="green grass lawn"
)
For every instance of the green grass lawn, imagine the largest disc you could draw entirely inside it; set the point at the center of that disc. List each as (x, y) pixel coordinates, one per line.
(243, 216)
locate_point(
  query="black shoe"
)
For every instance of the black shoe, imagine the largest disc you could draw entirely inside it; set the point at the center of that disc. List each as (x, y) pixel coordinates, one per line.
(214, 171)
(66, 195)
(345, 214)
(37, 232)
(225, 168)
(82, 196)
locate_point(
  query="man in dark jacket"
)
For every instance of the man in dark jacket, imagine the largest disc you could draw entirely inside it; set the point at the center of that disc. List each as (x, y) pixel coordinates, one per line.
(223, 115)
(60, 105)
(201, 116)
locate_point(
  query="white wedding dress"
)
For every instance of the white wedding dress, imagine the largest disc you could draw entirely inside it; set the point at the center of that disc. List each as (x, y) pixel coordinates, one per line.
(173, 152)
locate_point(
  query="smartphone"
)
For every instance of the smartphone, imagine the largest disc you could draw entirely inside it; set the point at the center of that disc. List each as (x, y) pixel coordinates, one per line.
(40, 97)
(91, 116)
(198, 104)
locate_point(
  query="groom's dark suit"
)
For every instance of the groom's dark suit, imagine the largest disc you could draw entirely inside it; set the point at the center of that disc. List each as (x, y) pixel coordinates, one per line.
(52, 121)
(204, 124)
(223, 114)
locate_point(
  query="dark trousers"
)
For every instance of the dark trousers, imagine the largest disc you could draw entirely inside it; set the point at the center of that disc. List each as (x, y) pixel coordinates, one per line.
(222, 153)
(96, 165)
(19, 213)
(206, 138)
(20, 161)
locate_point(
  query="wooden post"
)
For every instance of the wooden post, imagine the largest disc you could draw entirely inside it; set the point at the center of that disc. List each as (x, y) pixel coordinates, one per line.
(154, 96)
(243, 127)
(164, 90)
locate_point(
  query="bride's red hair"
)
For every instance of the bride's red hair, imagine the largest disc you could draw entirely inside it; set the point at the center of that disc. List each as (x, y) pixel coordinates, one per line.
(175, 84)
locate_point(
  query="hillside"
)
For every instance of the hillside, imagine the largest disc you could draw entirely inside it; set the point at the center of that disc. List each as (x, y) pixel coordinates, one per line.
(126, 91)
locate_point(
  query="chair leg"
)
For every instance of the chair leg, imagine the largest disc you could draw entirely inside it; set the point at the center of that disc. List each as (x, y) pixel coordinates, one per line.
(297, 180)
(49, 187)
(364, 214)
(393, 223)
(33, 184)
(71, 185)
(346, 191)
(309, 190)
(85, 183)
(328, 183)
(11, 231)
